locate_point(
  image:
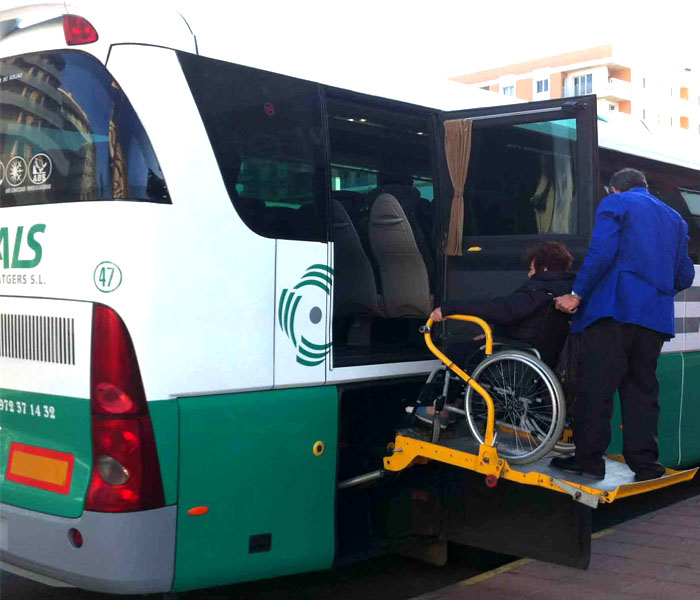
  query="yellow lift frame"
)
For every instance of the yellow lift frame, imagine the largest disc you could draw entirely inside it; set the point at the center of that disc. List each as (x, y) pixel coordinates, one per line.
(407, 451)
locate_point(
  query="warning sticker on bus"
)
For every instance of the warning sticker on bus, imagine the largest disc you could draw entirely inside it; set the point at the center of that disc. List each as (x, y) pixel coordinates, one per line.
(40, 468)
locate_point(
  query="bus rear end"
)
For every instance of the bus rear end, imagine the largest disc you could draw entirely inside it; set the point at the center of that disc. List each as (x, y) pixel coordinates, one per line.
(82, 495)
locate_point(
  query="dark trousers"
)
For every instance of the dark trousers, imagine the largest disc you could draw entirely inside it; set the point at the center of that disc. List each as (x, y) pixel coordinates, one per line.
(618, 357)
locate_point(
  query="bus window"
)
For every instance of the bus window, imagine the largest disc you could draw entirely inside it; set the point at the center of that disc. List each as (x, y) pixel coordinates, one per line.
(677, 186)
(692, 200)
(68, 134)
(266, 131)
(521, 180)
(384, 243)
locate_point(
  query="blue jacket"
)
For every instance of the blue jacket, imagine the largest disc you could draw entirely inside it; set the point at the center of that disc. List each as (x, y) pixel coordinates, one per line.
(636, 263)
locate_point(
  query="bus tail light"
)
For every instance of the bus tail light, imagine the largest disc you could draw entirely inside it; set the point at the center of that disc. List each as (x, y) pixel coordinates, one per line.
(78, 30)
(125, 472)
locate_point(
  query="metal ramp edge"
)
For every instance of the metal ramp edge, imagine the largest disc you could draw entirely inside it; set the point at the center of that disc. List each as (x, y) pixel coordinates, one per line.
(408, 451)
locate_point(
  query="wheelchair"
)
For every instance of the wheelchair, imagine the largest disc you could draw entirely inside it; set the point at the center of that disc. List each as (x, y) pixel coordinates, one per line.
(529, 409)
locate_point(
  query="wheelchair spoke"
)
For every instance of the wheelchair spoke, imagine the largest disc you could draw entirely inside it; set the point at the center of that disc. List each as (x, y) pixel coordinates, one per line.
(528, 405)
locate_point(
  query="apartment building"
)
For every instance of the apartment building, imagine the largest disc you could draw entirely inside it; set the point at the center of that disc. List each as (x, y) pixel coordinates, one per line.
(665, 97)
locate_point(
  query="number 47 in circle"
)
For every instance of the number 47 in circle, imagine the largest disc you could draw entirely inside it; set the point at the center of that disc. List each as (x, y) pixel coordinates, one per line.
(107, 277)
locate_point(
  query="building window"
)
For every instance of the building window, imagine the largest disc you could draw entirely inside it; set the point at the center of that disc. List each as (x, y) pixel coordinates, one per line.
(583, 84)
(509, 90)
(644, 113)
(644, 82)
(542, 86)
(685, 123)
(612, 107)
(485, 88)
(684, 93)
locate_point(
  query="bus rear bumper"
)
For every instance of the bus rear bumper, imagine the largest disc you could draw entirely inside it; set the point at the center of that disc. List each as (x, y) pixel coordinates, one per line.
(122, 553)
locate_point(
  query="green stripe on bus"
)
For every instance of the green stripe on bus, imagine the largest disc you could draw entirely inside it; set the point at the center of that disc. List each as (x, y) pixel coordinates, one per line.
(320, 266)
(314, 346)
(309, 354)
(282, 297)
(291, 322)
(319, 275)
(290, 298)
(314, 283)
(308, 363)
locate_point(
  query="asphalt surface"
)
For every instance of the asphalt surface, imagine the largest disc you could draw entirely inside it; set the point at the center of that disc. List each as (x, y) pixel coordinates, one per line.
(386, 578)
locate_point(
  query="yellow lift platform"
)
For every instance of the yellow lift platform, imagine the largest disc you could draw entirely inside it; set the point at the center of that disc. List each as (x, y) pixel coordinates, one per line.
(618, 483)
(462, 450)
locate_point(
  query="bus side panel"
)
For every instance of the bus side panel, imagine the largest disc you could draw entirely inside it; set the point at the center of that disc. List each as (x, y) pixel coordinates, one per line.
(690, 440)
(201, 264)
(669, 373)
(164, 417)
(254, 460)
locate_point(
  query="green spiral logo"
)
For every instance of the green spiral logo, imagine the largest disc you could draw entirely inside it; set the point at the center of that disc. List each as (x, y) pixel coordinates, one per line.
(309, 354)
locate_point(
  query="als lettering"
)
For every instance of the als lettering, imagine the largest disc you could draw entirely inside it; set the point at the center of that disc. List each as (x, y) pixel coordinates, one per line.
(21, 246)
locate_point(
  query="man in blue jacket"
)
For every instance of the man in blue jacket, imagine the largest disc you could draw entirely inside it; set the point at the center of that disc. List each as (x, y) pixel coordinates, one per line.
(623, 299)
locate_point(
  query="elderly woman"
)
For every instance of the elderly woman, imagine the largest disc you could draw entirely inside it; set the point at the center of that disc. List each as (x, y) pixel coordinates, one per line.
(526, 315)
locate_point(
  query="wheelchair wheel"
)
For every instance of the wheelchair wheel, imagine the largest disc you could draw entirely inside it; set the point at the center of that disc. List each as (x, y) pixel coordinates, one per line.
(529, 404)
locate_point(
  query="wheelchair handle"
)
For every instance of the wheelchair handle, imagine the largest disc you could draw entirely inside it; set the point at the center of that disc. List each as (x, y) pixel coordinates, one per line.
(426, 331)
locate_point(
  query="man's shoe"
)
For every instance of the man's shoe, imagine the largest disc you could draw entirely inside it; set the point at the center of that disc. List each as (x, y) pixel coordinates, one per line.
(648, 476)
(570, 464)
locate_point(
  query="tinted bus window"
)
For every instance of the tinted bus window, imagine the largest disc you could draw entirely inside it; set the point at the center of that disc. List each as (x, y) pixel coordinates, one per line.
(677, 186)
(69, 134)
(266, 131)
(522, 180)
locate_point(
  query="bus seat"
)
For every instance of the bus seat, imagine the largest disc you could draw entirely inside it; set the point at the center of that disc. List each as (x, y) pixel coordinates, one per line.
(357, 207)
(355, 287)
(410, 201)
(402, 269)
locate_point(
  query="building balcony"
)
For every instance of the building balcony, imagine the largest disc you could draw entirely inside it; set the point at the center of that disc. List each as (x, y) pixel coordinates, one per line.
(615, 89)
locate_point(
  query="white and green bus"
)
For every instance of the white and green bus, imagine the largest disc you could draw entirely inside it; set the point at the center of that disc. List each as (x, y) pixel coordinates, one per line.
(211, 282)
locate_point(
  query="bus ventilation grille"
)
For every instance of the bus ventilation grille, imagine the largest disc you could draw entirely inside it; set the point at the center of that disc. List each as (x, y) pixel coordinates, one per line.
(43, 339)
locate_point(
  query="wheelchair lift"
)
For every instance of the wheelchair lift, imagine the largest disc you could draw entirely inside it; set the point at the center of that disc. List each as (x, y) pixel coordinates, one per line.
(464, 451)
(523, 508)
(480, 458)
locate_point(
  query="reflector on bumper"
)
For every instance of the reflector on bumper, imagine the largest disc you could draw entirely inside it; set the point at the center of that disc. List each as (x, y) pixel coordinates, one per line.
(40, 467)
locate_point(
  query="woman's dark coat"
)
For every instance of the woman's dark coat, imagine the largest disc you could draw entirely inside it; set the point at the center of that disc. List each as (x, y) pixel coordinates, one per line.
(527, 314)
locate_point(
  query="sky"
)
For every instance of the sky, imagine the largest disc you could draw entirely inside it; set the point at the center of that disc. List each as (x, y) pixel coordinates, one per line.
(439, 38)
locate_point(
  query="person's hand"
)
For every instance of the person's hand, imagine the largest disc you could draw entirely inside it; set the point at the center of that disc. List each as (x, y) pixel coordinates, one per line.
(436, 315)
(568, 303)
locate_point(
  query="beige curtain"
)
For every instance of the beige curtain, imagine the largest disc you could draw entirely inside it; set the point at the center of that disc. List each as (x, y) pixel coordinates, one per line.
(458, 147)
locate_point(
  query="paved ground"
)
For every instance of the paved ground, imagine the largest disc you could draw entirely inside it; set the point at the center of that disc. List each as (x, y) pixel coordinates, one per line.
(655, 557)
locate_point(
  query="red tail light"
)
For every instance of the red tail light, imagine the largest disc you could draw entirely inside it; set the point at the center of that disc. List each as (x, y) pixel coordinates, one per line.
(78, 30)
(125, 472)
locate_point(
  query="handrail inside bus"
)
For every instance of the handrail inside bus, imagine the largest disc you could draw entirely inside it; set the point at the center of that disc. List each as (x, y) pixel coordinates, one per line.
(490, 414)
